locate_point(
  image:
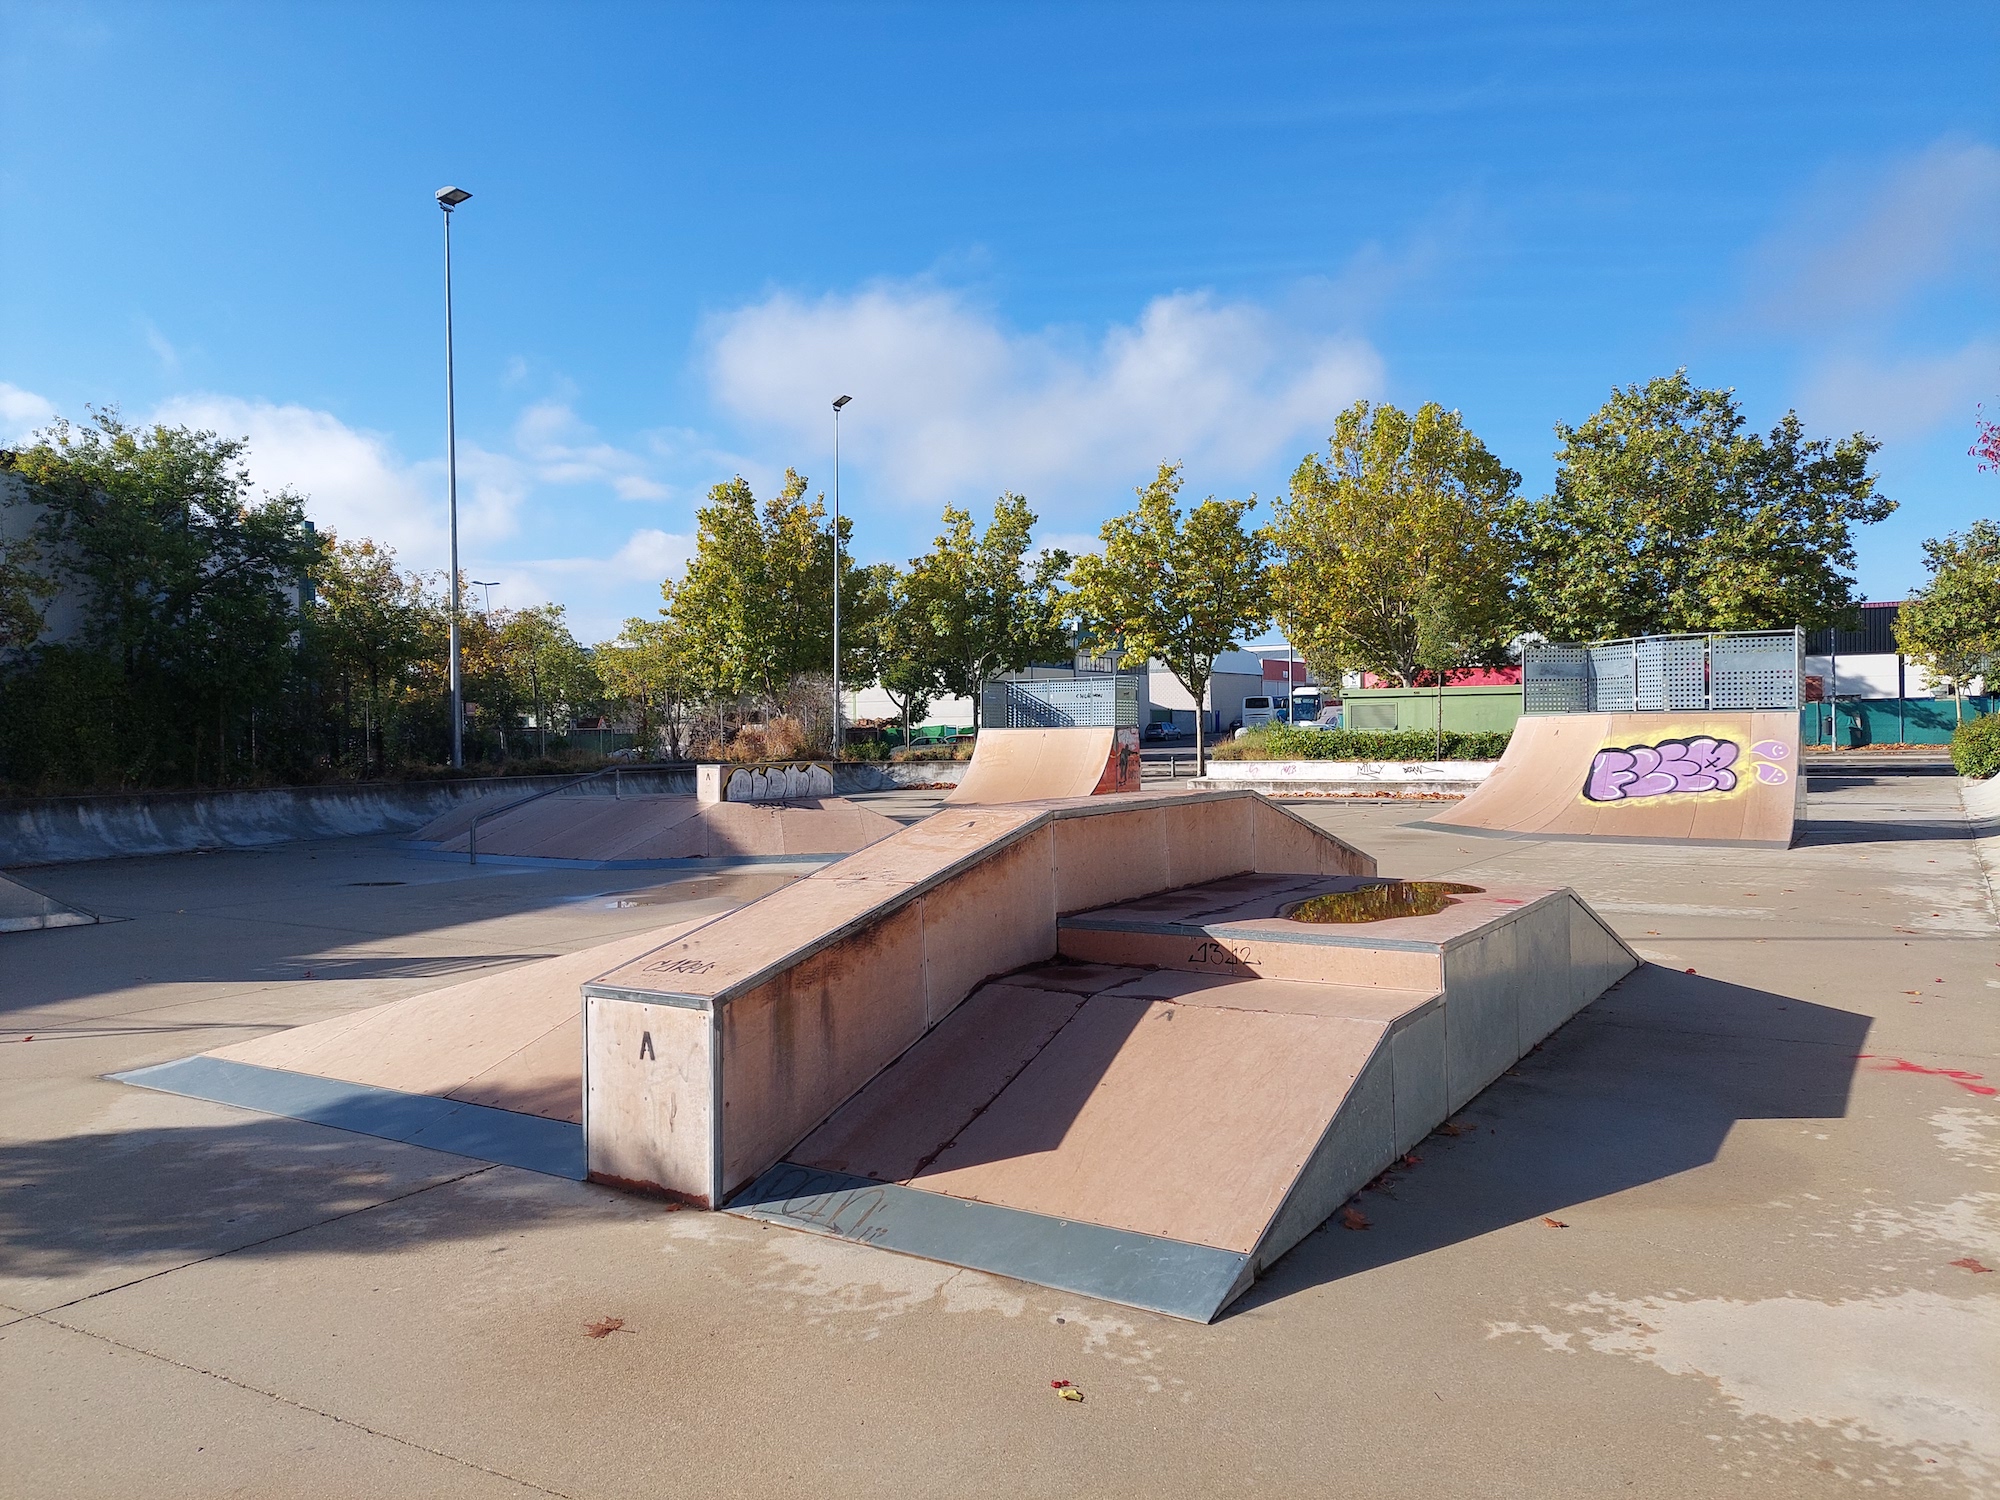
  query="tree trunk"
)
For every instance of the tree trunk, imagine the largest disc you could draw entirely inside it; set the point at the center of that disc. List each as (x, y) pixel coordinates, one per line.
(1200, 693)
(541, 719)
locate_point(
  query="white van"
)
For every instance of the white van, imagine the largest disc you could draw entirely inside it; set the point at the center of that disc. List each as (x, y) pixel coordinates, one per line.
(1264, 710)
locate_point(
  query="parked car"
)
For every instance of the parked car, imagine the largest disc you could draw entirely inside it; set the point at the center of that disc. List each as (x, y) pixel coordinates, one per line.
(1160, 732)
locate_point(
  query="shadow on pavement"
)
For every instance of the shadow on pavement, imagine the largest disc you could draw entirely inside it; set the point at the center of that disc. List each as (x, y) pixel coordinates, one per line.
(1817, 831)
(1643, 1085)
(105, 1208)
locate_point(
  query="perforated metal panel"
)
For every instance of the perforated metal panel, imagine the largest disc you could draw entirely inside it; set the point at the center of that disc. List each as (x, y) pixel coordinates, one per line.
(1614, 678)
(1759, 669)
(1555, 679)
(1665, 673)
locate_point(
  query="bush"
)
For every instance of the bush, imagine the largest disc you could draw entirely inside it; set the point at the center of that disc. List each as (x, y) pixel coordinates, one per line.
(1288, 742)
(1975, 746)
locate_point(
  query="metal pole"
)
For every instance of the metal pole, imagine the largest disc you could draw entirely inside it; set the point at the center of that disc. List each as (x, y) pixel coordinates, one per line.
(451, 505)
(836, 583)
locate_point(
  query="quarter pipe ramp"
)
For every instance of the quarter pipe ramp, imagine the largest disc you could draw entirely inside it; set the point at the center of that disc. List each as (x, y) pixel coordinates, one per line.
(1032, 765)
(1710, 777)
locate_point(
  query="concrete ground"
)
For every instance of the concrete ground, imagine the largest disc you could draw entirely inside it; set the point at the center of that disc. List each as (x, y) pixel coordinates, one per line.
(1721, 1235)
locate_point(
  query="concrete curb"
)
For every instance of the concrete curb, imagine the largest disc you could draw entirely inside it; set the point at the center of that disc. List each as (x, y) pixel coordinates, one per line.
(1982, 811)
(1350, 778)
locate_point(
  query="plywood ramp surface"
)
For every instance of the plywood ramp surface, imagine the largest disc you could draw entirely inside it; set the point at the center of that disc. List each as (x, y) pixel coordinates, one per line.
(512, 1040)
(1547, 784)
(1030, 765)
(1186, 1122)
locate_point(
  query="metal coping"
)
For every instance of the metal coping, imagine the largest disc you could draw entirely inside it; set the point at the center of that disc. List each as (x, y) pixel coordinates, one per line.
(1306, 935)
(1174, 1277)
(502, 1136)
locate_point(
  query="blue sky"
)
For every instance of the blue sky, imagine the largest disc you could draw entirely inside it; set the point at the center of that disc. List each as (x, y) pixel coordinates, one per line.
(1044, 247)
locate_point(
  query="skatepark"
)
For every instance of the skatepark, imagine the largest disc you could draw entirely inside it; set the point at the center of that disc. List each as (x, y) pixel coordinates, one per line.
(1021, 1091)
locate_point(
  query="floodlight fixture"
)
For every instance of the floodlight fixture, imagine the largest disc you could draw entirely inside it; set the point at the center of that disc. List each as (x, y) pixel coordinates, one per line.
(840, 401)
(450, 197)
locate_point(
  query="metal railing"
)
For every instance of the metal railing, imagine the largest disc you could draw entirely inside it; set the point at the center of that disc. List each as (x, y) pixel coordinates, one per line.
(616, 773)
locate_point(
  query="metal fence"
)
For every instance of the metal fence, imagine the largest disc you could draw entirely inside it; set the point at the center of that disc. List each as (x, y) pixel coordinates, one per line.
(1095, 701)
(1665, 673)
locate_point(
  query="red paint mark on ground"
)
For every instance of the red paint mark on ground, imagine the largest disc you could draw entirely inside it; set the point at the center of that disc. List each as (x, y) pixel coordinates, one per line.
(1972, 1083)
(1967, 1263)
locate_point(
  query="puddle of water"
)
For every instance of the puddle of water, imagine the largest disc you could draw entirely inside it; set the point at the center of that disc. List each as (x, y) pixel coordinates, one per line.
(742, 888)
(1379, 903)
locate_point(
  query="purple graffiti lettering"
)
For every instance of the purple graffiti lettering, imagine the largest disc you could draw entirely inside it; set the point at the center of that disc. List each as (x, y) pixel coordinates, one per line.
(1694, 765)
(1772, 749)
(1771, 775)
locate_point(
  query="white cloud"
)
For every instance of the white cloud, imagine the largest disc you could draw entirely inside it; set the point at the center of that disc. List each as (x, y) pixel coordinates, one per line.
(1894, 398)
(1855, 255)
(22, 412)
(950, 404)
(600, 592)
(1872, 282)
(356, 483)
(565, 450)
(163, 350)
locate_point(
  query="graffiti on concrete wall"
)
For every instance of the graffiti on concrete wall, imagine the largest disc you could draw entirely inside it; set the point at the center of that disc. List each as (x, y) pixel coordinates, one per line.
(1700, 765)
(777, 783)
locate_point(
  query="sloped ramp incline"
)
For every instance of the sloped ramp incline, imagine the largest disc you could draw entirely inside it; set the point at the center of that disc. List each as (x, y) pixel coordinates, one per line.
(1674, 778)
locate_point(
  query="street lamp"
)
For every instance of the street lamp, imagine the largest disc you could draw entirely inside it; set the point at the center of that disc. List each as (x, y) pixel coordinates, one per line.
(838, 403)
(449, 198)
(487, 584)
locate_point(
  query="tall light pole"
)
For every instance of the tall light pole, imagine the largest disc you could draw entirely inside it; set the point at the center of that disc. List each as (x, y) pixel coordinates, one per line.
(838, 403)
(449, 198)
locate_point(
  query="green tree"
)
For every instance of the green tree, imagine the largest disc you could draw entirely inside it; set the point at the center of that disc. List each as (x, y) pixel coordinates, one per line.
(548, 670)
(189, 585)
(991, 607)
(757, 599)
(907, 654)
(1180, 588)
(1670, 516)
(648, 671)
(369, 626)
(25, 591)
(1951, 627)
(1388, 551)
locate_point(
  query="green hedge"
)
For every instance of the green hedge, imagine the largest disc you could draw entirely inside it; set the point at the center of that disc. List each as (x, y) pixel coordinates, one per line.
(1285, 742)
(1975, 746)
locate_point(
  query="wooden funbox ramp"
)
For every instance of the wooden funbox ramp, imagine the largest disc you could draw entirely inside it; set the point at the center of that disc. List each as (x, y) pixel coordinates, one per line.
(1708, 776)
(1078, 1042)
